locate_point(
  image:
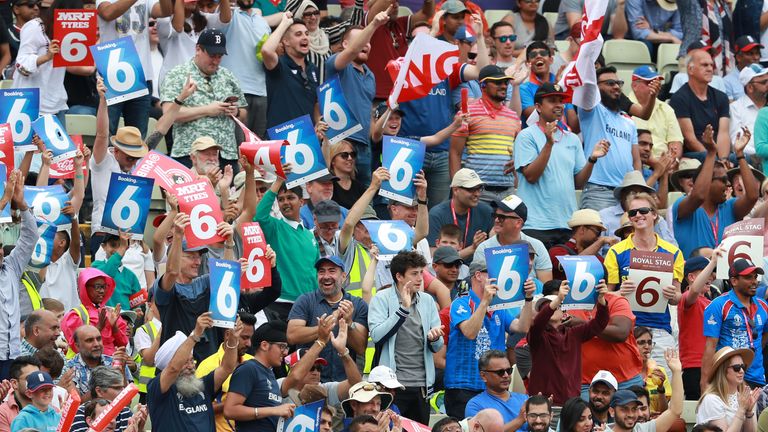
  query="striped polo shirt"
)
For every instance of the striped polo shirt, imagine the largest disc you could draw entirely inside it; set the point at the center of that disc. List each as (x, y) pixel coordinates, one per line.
(490, 138)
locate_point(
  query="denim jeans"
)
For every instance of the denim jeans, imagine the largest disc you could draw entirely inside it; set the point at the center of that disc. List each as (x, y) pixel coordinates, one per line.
(82, 109)
(597, 197)
(438, 176)
(135, 112)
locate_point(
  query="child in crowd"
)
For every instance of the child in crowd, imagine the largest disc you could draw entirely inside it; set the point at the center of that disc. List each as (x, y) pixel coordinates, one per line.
(39, 414)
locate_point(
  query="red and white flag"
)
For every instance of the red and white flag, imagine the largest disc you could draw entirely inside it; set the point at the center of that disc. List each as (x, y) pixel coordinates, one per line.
(579, 78)
(427, 62)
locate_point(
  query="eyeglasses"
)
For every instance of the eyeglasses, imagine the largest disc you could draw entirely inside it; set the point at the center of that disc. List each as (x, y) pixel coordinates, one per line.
(456, 264)
(641, 210)
(612, 82)
(646, 342)
(282, 345)
(507, 38)
(309, 14)
(500, 372)
(451, 428)
(99, 287)
(474, 189)
(503, 218)
(117, 387)
(348, 155)
(539, 52)
(738, 367)
(534, 416)
(32, 4)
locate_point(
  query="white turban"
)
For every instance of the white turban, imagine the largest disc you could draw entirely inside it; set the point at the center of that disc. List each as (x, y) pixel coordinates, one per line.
(168, 349)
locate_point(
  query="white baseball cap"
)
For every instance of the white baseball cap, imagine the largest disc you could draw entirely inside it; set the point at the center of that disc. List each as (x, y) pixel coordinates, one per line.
(750, 72)
(385, 376)
(606, 377)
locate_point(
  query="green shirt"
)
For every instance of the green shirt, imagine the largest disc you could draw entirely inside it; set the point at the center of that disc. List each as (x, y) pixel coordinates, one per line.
(215, 88)
(295, 247)
(126, 283)
(269, 7)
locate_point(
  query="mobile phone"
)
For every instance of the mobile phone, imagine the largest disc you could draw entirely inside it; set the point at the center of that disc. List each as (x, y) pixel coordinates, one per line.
(231, 99)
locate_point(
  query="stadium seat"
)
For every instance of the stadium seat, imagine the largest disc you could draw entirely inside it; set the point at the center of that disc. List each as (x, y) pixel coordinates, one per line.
(495, 15)
(404, 11)
(626, 54)
(6, 84)
(82, 124)
(666, 59)
(626, 76)
(562, 45)
(689, 412)
(334, 10)
(551, 18)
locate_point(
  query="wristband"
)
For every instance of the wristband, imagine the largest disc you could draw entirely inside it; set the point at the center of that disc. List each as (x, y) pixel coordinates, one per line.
(321, 343)
(229, 246)
(528, 299)
(421, 202)
(194, 338)
(592, 160)
(738, 158)
(749, 415)
(346, 353)
(178, 102)
(226, 343)
(256, 412)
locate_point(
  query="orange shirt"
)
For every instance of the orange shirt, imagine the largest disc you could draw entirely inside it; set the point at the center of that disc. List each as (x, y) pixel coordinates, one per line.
(622, 359)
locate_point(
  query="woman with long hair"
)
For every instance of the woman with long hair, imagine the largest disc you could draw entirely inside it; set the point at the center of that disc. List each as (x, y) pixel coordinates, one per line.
(728, 402)
(528, 23)
(576, 416)
(341, 162)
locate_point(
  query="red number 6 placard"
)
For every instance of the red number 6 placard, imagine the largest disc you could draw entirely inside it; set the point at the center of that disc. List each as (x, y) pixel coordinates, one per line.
(76, 30)
(199, 201)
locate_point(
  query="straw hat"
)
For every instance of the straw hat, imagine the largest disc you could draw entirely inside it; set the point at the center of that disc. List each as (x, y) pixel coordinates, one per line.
(725, 353)
(624, 225)
(128, 140)
(586, 217)
(632, 178)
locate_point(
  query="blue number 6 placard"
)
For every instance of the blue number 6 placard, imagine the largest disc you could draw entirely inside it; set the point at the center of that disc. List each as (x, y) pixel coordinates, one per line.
(118, 63)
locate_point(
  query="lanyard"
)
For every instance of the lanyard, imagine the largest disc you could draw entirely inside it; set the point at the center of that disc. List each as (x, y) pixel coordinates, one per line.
(715, 226)
(456, 222)
(748, 325)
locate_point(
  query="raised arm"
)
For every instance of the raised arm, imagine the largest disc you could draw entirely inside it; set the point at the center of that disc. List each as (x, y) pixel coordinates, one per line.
(300, 370)
(184, 353)
(158, 237)
(173, 264)
(422, 217)
(745, 203)
(101, 142)
(229, 361)
(356, 212)
(356, 44)
(178, 18)
(269, 49)
(110, 11)
(700, 190)
(250, 200)
(675, 408)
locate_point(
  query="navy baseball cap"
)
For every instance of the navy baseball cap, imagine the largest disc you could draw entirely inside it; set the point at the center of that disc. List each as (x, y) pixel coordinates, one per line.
(463, 35)
(39, 380)
(695, 264)
(213, 42)
(624, 397)
(743, 267)
(186, 248)
(333, 259)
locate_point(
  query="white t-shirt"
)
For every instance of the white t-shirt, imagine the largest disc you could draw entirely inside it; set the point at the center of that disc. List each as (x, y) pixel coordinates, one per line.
(141, 338)
(132, 23)
(61, 282)
(100, 176)
(714, 408)
(50, 80)
(157, 62)
(134, 260)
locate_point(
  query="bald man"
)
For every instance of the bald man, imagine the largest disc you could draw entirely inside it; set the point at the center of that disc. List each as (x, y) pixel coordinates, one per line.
(41, 329)
(488, 419)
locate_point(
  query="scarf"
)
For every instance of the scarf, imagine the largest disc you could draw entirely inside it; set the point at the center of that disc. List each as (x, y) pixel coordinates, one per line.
(318, 39)
(716, 30)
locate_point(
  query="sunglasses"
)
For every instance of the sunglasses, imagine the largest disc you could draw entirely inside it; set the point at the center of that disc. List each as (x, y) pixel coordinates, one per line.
(152, 23)
(309, 14)
(612, 82)
(641, 210)
(474, 189)
(738, 367)
(365, 387)
(348, 155)
(503, 218)
(500, 372)
(507, 38)
(471, 56)
(456, 264)
(539, 52)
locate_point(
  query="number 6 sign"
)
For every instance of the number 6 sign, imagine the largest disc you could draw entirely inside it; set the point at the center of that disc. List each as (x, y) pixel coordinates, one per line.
(47, 202)
(19, 108)
(303, 153)
(55, 138)
(390, 237)
(258, 274)
(76, 29)
(651, 272)
(43, 250)
(508, 265)
(199, 201)
(225, 292)
(403, 158)
(584, 273)
(741, 240)
(127, 204)
(118, 63)
(341, 122)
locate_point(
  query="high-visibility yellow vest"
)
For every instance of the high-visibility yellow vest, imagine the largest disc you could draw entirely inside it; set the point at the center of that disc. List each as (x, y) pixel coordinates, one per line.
(34, 296)
(360, 263)
(82, 312)
(146, 373)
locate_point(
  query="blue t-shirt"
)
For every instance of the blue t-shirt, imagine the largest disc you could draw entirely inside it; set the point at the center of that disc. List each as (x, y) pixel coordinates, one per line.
(178, 413)
(31, 417)
(565, 161)
(509, 409)
(258, 384)
(359, 90)
(528, 91)
(698, 229)
(619, 130)
(461, 369)
(244, 32)
(729, 321)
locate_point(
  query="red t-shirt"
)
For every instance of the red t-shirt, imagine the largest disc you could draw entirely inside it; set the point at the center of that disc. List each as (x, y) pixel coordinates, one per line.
(622, 359)
(387, 43)
(445, 321)
(559, 250)
(690, 321)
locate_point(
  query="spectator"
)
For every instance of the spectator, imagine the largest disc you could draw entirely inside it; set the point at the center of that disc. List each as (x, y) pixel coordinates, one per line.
(211, 363)
(552, 341)
(366, 400)
(294, 243)
(497, 376)
(332, 300)
(448, 265)
(207, 111)
(95, 289)
(746, 52)
(609, 171)
(656, 380)
(529, 24)
(665, 130)
(695, 17)
(15, 400)
(643, 410)
(744, 110)
(126, 283)
(614, 25)
(697, 106)
(385, 380)
(472, 9)
(319, 189)
(359, 87)
(146, 342)
(701, 216)
(552, 170)
(342, 158)
(296, 78)
(23, 12)
(447, 424)
(690, 319)
(722, 330)
(407, 314)
(247, 29)
(466, 211)
(586, 239)
(105, 383)
(485, 144)
(176, 395)
(509, 216)
(601, 391)
(38, 414)
(129, 18)
(41, 329)
(539, 60)
(654, 22)
(504, 37)
(451, 17)
(90, 355)
(727, 401)
(682, 179)
(326, 217)
(655, 170)
(681, 77)
(473, 331)
(576, 416)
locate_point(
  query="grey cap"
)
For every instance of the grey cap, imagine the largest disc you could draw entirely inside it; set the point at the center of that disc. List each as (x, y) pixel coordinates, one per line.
(446, 255)
(478, 266)
(369, 214)
(327, 211)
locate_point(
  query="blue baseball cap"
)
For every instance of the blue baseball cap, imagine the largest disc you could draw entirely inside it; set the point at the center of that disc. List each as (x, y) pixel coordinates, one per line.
(186, 248)
(695, 264)
(463, 35)
(39, 380)
(333, 259)
(624, 397)
(645, 73)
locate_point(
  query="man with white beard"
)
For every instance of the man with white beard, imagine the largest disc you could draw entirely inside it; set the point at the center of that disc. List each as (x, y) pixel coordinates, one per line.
(205, 156)
(182, 400)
